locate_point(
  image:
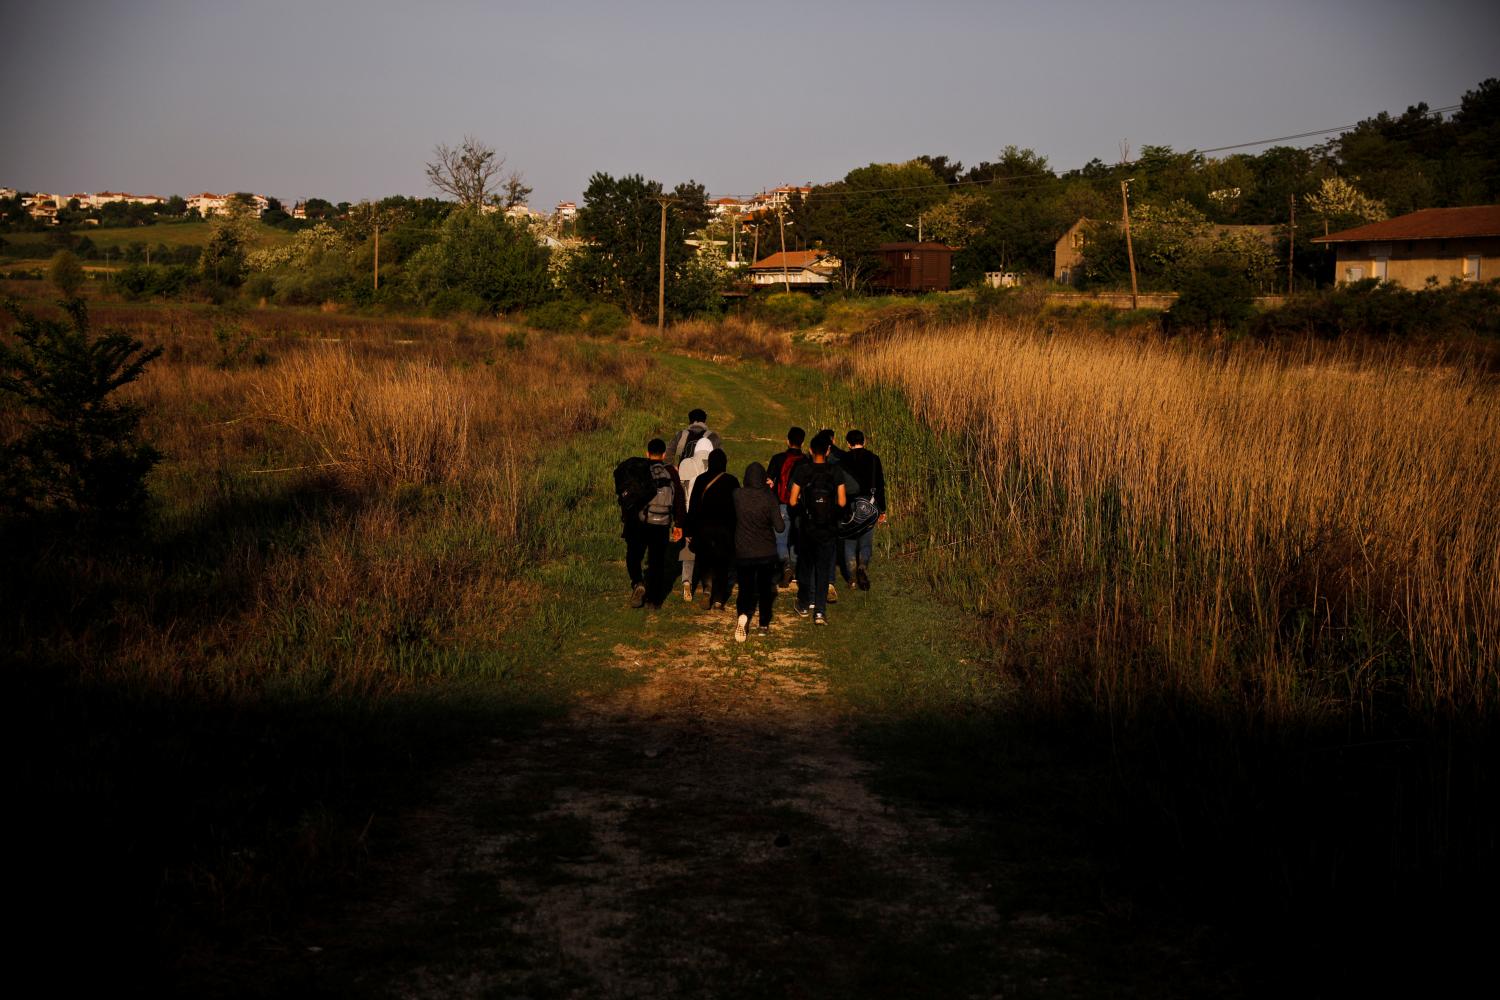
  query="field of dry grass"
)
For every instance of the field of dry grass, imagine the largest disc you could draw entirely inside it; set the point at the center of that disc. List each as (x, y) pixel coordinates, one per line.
(1290, 529)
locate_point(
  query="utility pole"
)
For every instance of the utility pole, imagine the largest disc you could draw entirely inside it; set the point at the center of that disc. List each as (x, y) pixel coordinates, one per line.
(734, 238)
(377, 256)
(1291, 241)
(786, 279)
(148, 255)
(661, 277)
(1129, 247)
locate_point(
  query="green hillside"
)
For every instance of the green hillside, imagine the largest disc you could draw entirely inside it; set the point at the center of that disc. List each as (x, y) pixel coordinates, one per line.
(31, 246)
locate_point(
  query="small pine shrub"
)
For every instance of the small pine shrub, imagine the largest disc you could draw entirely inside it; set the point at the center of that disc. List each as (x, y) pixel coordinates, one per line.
(72, 451)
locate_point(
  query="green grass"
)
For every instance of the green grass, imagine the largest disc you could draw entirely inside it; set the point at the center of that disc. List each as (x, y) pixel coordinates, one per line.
(30, 246)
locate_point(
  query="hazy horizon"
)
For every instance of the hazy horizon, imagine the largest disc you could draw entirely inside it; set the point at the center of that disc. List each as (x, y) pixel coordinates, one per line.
(345, 101)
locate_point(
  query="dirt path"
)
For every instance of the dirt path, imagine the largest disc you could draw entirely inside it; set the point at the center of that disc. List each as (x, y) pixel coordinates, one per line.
(707, 827)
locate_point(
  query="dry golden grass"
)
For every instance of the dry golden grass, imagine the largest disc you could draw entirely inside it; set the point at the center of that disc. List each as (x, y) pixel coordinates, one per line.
(1286, 527)
(343, 501)
(731, 337)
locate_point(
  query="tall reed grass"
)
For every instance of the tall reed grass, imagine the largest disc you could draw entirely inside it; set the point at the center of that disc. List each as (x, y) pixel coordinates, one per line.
(1283, 531)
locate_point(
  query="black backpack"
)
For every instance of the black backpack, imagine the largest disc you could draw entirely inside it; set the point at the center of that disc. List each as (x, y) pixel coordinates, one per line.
(861, 517)
(693, 437)
(634, 487)
(820, 502)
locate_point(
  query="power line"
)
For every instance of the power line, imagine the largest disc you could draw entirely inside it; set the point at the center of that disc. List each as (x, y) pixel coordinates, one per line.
(1049, 175)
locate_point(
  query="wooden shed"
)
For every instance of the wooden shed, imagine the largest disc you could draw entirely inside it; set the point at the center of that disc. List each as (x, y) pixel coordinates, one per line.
(915, 267)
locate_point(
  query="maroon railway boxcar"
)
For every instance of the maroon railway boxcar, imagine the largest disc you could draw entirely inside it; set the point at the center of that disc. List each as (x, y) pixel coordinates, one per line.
(915, 267)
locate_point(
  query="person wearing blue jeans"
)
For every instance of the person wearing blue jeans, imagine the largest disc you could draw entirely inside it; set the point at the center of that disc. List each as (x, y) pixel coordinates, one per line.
(780, 470)
(820, 492)
(864, 468)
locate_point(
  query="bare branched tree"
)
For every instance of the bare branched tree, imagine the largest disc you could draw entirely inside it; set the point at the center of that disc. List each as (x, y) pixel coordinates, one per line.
(516, 190)
(468, 173)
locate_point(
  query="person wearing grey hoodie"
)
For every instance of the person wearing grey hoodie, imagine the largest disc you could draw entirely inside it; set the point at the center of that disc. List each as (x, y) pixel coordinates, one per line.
(757, 522)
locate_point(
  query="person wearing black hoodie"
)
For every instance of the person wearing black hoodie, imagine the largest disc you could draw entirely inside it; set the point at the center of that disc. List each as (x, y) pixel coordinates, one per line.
(864, 466)
(710, 525)
(758, 523)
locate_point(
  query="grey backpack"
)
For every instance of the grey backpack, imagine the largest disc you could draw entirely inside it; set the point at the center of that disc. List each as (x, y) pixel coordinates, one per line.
(658, 510)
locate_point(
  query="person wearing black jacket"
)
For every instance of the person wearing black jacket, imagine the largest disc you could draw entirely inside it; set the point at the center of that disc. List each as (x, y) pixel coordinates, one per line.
(758, 522)
(863, 466)
(820, 493)
(643, 538)
(710, 526)
(780, 471)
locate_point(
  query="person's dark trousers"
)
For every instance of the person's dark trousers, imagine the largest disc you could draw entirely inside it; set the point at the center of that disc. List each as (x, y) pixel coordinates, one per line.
(859, 550)
(757, 588)
(715, 570)
(841, 558)
(654, 542)
(815, 561)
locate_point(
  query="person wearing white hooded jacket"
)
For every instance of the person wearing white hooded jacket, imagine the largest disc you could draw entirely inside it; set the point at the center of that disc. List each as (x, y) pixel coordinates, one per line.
(688, 470)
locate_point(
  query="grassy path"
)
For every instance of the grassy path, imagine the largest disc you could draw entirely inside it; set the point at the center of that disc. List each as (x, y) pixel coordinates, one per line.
(765, 819)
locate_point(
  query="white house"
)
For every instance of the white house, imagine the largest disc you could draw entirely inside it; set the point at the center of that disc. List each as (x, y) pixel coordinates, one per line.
(110, 197)
(807, 268)
(207, 204)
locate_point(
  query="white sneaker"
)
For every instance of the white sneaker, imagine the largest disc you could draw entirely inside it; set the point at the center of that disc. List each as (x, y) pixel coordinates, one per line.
(833, 595)
(741, 628)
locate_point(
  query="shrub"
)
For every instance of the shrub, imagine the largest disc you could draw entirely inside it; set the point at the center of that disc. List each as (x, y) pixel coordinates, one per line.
(1380, 309)
(558, 316)
(66, 273)
(1216, 297)
(75, 452)
(605, 319)
(789, 310)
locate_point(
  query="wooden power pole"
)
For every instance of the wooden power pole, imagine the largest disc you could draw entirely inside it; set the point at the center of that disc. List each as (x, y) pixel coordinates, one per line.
(1291, 241)
(661, 275)
(1129, 247)
(377, 256)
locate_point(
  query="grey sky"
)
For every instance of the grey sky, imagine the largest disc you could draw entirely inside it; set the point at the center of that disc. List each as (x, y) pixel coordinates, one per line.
(345, 100)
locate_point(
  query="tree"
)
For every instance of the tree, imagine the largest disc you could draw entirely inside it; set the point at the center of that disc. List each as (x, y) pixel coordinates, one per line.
(71, 451)
(230, 235)
(65, 273)
(691, 205)
(467, 173)
(481, 260)
(516, 190)
(1340, 204)
(620, 219)
(870, 206)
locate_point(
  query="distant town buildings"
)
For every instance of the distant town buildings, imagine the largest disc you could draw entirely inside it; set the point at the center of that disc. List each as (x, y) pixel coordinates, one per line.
(207, 204)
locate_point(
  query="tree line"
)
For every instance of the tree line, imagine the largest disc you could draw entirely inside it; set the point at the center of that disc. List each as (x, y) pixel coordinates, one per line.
(461, 252)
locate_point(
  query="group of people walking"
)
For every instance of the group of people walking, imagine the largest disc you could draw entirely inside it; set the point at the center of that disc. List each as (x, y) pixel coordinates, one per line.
(800, 518)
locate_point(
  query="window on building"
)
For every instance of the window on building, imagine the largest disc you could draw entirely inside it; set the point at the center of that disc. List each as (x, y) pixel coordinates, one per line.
(1379, 272)
(1471, 267)
(1078, 240)
(1354, 273)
